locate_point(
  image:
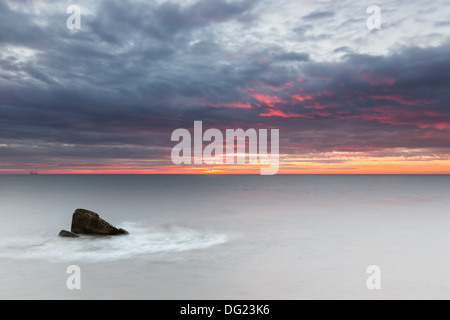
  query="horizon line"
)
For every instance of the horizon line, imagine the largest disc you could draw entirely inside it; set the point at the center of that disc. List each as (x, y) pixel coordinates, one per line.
(232, 174)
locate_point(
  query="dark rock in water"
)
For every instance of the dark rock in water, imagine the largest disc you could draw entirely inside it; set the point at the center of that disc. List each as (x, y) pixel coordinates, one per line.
(89, 222)
(122, 231)
(68, 234)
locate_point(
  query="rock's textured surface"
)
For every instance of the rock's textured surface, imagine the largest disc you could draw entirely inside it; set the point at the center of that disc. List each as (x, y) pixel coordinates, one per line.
(89, 222)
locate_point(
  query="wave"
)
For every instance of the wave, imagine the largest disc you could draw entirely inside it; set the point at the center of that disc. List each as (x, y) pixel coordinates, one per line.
(142, 241)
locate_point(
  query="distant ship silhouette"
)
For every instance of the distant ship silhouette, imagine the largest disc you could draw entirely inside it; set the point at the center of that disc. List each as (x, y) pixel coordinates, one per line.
(35, 172)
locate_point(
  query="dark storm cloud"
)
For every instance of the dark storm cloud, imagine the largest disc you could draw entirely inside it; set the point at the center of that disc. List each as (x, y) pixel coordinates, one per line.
(293, 56)
(136, 71)
(16, 27)
(95, 87)
(162, 22)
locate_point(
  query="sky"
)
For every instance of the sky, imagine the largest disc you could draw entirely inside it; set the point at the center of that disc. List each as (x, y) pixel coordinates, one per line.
(107, 97)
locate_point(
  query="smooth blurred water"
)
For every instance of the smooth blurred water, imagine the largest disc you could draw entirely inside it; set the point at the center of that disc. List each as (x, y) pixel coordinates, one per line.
(227, 237)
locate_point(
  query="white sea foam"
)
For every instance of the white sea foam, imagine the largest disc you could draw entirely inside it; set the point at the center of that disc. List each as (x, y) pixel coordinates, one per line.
(142, 241)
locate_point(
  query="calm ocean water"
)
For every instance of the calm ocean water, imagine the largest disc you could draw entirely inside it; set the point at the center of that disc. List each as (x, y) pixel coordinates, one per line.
(228, 237)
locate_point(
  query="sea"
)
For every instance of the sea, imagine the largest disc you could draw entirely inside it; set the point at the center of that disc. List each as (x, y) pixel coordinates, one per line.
(227, 237)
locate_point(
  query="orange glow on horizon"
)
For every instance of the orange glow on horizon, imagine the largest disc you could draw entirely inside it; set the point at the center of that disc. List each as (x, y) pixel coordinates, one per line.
(350, 167)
